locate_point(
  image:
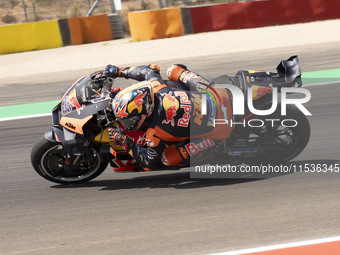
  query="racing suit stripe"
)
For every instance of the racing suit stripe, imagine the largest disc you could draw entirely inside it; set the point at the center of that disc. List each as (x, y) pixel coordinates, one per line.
(174, 72)
(162, 134)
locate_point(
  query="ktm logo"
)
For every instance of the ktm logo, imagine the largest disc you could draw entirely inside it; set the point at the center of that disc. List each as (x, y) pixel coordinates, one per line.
(70, 125)
(183, 152)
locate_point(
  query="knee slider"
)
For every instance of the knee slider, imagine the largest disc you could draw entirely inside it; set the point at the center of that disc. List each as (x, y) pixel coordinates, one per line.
(175, 154)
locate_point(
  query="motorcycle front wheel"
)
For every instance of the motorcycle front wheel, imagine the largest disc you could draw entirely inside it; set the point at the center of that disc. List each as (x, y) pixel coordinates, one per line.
(49, 161)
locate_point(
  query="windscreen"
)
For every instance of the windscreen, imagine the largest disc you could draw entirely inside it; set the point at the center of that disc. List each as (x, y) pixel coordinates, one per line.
(84, 92)
(87, 90)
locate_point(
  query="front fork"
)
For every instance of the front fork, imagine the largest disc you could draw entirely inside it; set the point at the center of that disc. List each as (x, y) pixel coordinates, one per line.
(74, 145)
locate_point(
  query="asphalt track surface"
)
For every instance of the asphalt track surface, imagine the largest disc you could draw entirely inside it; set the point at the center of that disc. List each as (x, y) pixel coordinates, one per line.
(167, 212)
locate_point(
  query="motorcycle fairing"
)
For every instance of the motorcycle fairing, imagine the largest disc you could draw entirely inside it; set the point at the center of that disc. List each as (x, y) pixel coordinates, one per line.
(74, 124)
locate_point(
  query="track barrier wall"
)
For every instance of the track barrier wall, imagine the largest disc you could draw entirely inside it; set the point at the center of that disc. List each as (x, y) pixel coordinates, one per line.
(148, 25)
(164, 23)
(238, 15)
(90, 29)
(242, 15)
(53, 34)
(30, 36)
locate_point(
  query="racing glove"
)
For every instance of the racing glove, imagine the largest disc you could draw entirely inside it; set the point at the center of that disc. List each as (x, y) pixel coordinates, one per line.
(112, 71)
(118, 137)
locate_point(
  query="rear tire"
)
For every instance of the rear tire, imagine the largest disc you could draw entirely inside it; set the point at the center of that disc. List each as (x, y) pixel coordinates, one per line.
(48, 160)
(300, 135)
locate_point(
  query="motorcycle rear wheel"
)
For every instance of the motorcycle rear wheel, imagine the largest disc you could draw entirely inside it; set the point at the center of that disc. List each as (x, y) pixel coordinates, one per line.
(299, 136)
(48, 160)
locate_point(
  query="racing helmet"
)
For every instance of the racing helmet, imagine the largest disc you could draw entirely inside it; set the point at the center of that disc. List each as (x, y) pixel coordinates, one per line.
(132, 106)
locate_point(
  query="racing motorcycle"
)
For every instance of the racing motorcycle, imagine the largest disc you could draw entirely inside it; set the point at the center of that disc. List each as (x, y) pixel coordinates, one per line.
(77, 148)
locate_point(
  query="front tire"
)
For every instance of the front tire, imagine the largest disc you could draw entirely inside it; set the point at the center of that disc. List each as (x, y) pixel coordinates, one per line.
(48, 160)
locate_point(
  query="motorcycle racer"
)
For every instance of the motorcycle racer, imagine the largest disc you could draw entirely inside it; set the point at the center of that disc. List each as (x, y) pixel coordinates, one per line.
(170, 112)
(166, 124)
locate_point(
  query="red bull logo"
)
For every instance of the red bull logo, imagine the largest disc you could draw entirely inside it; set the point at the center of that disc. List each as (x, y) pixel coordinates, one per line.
(170, 105)
(137, 103)
(194, 148)
(74, 103)
(186, 106)
(260, 91)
